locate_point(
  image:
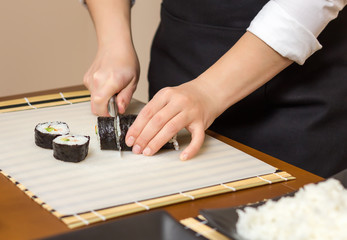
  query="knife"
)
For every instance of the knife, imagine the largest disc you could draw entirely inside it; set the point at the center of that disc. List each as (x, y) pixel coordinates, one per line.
(113, 111)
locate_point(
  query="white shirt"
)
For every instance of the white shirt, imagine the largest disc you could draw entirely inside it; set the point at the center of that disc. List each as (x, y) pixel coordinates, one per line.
(291, 27)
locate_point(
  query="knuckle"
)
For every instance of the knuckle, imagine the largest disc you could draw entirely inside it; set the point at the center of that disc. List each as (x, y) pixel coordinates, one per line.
(98, 100)
(197, 128)
(146, 113)
(172, 128)
(86, 79)
(97, 76)
(158, 120)
(142, 140)
(86, 83)
(133, 130)
(154, 146)
(183, 100)
(120, 77)
(165, 92)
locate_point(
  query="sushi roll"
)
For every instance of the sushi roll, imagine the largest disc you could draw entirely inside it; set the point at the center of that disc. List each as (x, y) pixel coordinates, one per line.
(125, 121)
(71, 148)
(108, 134)
(46, 132)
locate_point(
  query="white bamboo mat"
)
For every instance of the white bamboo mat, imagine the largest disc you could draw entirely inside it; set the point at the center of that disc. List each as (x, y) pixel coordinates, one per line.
(105, 179)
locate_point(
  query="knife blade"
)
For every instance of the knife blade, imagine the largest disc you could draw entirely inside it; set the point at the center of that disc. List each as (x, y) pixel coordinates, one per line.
(113, 111)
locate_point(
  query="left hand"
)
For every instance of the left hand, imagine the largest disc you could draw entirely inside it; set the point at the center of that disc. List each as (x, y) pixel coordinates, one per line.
(173, 108)
(249, 64)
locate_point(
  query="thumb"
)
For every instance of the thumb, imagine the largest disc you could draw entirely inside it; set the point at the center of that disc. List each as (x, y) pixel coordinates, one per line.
(198, 136)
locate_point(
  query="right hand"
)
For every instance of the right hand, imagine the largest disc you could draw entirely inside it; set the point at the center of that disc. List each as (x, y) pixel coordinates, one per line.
(115, 69)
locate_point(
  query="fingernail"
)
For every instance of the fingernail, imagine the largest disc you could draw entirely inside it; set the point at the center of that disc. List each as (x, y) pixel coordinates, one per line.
(130, 141)
(184, 156)
(147, 151)
(137, 149)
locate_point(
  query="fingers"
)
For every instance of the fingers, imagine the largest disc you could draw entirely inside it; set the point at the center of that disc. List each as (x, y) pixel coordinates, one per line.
(104, 86)
(124, 97)
(152, 141)
(113, 71)
(143, 118)
(170, 129)
(171, 110)
(198, 136)
(159, 127)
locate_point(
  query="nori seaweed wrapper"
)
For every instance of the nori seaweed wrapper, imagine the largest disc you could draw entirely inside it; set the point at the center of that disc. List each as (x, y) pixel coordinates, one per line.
(125, 122)
(71, 153)
(107, 133)
(45, 140)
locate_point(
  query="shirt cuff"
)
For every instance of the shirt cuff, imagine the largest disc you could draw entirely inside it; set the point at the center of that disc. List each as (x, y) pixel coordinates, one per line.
(284, 33)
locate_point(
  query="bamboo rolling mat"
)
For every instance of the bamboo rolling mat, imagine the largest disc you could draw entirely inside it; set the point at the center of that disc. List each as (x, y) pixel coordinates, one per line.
(105, 185)
(200, 226)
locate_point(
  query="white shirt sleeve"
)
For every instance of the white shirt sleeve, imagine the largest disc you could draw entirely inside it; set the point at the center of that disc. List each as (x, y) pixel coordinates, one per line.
(291, 27)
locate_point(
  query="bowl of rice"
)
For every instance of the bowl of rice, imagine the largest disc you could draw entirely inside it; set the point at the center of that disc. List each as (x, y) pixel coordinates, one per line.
(316, 211)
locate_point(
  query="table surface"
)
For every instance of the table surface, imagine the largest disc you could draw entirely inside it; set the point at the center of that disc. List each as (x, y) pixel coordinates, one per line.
(22, 218)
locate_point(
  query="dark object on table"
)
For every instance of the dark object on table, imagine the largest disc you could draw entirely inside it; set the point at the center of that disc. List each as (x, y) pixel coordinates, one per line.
(107, 133)
(47, 131)
(71, 148)
(154, 225)
(224, 220)
(342, 177)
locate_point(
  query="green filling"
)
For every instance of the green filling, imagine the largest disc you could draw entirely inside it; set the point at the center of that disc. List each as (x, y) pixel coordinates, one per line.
(65, 139)
(49, 129)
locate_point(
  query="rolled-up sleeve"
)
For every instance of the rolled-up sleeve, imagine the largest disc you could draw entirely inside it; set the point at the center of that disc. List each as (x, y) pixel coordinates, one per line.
(291, 27)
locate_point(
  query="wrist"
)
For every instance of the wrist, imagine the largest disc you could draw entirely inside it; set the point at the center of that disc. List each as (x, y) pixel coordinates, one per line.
(248, 65)
(123, 43)
(115, 34)
(112, 21)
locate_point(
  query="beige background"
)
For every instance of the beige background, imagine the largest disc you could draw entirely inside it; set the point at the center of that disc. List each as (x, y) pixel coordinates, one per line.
(47, 44)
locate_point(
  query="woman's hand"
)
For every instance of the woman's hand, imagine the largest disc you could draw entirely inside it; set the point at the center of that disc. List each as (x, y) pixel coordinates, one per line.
(249, 64)
(114, 70)
(116, 67)
(187, 106)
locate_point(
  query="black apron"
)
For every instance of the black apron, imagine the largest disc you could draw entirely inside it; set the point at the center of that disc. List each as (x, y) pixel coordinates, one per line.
(300, 116)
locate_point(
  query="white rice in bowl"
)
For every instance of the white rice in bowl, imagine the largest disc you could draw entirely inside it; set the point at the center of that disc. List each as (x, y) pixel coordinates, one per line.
(317, 211)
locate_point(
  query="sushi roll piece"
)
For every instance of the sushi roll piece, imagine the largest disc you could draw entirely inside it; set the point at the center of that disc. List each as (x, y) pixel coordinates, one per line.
(71, 148)
(108, 133)
(125, 122)
(47, 131)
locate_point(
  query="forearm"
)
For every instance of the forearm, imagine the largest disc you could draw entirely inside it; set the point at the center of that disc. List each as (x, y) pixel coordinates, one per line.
(111, 20)
(249, 64)
(115, 68)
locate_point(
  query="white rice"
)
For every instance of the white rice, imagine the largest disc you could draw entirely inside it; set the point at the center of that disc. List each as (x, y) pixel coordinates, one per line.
(173, 140)
(54, 128)
(317, 211)
(71, 140)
